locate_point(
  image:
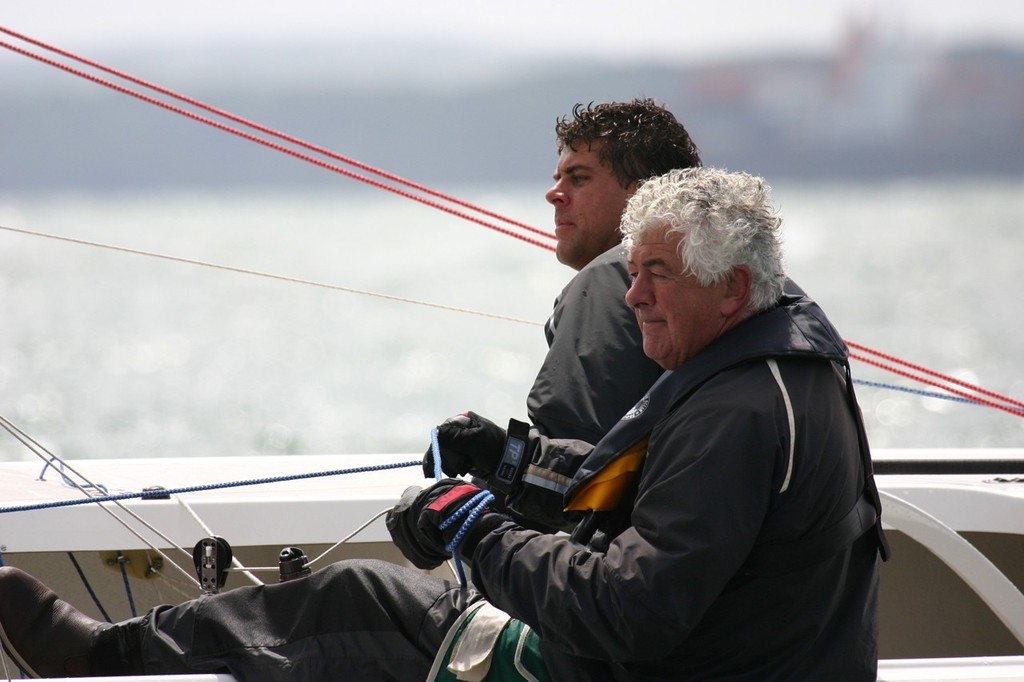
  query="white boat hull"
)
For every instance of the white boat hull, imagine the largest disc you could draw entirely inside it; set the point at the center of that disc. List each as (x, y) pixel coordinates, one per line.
(936, 623)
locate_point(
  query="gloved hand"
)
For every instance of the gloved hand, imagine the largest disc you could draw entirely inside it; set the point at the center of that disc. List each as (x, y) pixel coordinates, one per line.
(414, 522)
(469, 444)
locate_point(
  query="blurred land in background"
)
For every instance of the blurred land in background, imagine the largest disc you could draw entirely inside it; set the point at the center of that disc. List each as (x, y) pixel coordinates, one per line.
(879, 105)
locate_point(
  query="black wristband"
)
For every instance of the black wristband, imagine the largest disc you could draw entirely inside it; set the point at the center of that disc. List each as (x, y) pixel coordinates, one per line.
(514, 458)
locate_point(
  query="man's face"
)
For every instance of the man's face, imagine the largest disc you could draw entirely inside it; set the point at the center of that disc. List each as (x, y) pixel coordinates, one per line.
(677, 316)
(588, 202)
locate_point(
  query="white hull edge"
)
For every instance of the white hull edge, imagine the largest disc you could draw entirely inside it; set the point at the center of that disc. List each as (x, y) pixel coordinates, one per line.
(980, 669)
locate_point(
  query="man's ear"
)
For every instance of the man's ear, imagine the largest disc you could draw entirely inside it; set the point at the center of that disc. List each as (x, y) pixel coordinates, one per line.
(737, 291)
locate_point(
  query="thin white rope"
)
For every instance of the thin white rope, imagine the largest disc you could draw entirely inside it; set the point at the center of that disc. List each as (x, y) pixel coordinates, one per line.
(49, 458)
(234, 560)
(330, 549)
(351, 535)
(3, 659)
(149, 544)
(270, 275)
(169, 582)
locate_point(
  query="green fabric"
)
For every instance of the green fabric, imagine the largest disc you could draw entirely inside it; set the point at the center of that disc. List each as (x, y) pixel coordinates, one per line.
(503, 662)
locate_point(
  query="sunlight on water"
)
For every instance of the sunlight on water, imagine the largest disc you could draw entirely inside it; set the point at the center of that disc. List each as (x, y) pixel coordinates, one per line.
(108, 354)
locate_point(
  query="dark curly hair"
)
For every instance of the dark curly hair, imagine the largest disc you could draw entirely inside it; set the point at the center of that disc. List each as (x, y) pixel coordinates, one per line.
(639, 139)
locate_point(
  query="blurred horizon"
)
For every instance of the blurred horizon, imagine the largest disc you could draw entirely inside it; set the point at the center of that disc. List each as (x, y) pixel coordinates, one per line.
(882, 103)
(599, 30)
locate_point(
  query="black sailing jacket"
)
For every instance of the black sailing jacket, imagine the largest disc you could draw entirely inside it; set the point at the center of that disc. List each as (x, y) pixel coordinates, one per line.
(755, 444)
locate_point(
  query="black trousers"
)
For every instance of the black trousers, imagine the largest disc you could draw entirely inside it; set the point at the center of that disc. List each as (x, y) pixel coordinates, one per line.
(353, 620)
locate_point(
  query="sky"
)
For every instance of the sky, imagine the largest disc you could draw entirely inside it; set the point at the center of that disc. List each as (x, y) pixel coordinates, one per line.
(605, 29)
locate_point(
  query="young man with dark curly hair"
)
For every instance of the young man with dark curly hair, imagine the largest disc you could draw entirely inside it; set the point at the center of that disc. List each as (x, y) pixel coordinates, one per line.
(595, 369)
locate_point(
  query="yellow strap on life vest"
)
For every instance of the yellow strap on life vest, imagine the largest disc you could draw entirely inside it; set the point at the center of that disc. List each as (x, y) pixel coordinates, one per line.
(604, 491)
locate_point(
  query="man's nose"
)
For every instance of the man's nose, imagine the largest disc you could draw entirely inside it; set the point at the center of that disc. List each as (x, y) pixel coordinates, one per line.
(636, 294)
(640, 292)
(555, 195)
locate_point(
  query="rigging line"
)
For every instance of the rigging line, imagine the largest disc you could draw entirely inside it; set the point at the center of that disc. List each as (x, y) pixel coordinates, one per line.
(270, 275)
(7, 672)
(896, 370)
(333, 155)
(202, 524)
(276, 146)
(54, 504)
(88, 587)
(275, 133)
(33, 445)
(41, 452)
(171, 584)
(295, 280)
(127, 585)
(327, 551)
(915, 391)
(506, 318)
(944, 377)
(351, 535)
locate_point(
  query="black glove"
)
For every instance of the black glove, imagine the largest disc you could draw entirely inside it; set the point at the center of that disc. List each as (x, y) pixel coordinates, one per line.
(414, 522)
(469, 444)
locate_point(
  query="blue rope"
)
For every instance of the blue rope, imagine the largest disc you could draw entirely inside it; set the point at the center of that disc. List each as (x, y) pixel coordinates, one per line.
(471, 510)
(59, 468)
(127, 586)
(88, 587)
(927, 393)
(163, 492)
(915, 391)
(436, 449)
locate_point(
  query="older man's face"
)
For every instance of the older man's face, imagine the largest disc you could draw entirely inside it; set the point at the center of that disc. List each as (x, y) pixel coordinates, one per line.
(677, 316)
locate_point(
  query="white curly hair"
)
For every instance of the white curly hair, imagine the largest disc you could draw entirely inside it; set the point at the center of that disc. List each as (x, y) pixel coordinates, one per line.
(724, 219)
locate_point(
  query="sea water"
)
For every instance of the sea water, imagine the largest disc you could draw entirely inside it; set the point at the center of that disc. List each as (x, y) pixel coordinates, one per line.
(111, 354)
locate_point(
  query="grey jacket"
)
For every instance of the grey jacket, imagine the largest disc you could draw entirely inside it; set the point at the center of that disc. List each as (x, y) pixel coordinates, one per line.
(595, 368)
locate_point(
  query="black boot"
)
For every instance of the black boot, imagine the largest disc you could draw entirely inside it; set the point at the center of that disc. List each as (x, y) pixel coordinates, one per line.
(43, 634)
